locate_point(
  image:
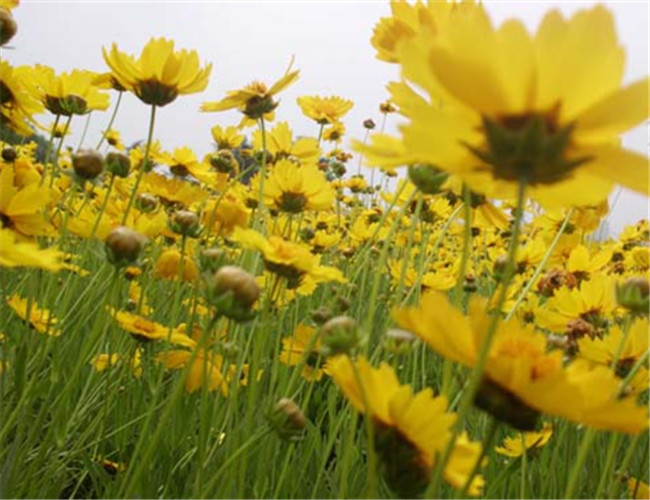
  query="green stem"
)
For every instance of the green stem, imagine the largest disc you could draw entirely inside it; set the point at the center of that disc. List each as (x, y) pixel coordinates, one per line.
(103, 208)
(579, 461)
(486, 445)
(143, 167)
(48, 149)
(55, 161)
(110, 122)
(524, 463)
(85, 131)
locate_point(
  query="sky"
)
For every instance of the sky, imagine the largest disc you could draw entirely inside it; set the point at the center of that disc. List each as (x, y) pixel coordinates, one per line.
(247, 41)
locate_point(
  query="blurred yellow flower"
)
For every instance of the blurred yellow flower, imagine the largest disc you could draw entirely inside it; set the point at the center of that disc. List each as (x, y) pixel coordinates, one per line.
(324, 110)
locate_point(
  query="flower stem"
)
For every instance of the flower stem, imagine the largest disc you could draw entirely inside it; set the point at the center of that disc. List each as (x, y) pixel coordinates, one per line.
(103, 208)
(143, 167)
(110, 122)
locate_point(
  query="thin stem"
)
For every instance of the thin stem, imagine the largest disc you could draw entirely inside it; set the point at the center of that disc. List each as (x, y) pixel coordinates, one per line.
(486, 445)
(55, 162)
(85, 131)
(583, 451)
(103, 208)
(110, 122)
(143, 167)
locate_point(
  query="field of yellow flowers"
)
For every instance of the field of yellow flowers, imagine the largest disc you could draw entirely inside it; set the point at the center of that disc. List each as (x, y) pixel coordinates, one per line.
(270, 322)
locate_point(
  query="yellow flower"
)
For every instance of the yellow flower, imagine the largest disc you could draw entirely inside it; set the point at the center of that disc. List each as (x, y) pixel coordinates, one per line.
(205, 369)
(580, 311)
(547, 109)
(638, 489)
(18, 97)
(173, 189)
(513, 447)
(160, 74)
(23, 209)
(183, 162)
(522, 378)
(227, 138)
(114, 138)
(42, 320)
(71, 93)
(101, 362)
(16, 253)
(169, 262)
(334, 132)
(324, 110)
(409, 429)
(225, 213)
(295, 189)
(292, 261)
(145, 330)
(295, 347)
(280, 143)
(256, 99)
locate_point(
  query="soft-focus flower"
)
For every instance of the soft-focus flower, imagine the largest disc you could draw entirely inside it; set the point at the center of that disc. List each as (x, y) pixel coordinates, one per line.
(42, 320)
(16, 253)
(513, 447)
(294, 189)
(69, 93)
(324, 110)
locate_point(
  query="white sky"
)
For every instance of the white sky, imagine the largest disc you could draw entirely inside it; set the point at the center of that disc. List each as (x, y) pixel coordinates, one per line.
(255, 40)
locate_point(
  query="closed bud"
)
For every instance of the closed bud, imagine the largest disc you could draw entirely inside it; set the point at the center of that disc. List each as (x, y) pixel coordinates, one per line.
(123, 246)
(9, 154)
(234, 292)
(118, 164)
(87, 164)
(186, 223)
(369, 124)
(634, 294)
(321, 315)
(8, 26)
(146, 202)
(340, 335)
(288, 419)
(212, 259)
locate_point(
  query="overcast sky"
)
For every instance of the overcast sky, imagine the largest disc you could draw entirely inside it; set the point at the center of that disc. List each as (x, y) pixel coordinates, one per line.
(255, 40)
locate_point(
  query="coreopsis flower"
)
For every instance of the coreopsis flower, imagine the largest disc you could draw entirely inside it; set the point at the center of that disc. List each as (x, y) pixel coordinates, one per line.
(41, 320)
(638, 489)
(324, 110)
(168, 266)
(227, 137)
(103, 362)
(146, 330)
(23, 209)
(69, 93)
(173, 190)
(225, 214)
(183, 162)
(291, 261)
(302, 343)
(17, 253)
(205, 369)
(114, 138)
(627, 349)
(280, 144)
(522, 378)
(256, 99)
(409, 429)
(334, 132)
(545, 109)
(513, 447)
(160, 74)
(294, 189)
(580, 311)
(18, 97)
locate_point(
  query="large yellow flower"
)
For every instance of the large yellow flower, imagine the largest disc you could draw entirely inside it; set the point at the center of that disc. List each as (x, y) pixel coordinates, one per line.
(280, 143)
(16, 253)
(409, 429)
(324, 110)
(522, 378)
(227, 137)
(42, 320)
(69, 93)
(547, 109)
(160, 74)
(292, 188)
(256, 99)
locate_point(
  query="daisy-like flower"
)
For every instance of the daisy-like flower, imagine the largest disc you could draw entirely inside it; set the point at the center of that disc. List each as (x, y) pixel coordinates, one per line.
(146, 330)
(227, 137)
(22, 209)
(16, 253)
(205, 369)
(256, 99)
(522, 378)
(294, 189)
(300, 343)
(324, 110)
(114, 138)
(513, 447)
(168, 265)
(183, 162)
(18, 97)
(41, 320)
(334, 132)
(546, 110)
(160, 74)
(291, 261)
(409, 429)
(280, 144)
(69, 93)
